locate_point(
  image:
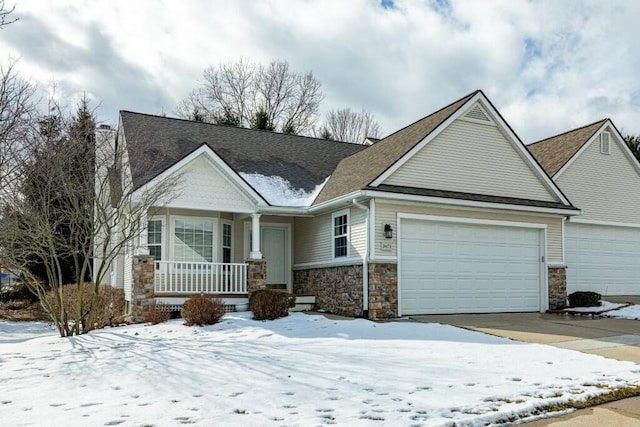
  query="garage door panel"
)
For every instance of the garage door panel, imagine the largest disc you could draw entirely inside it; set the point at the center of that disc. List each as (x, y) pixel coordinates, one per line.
(466, 268)
(603, 259)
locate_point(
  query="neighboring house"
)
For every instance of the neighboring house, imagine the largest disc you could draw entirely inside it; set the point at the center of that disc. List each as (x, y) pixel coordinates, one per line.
(596, 170)
(450, 214)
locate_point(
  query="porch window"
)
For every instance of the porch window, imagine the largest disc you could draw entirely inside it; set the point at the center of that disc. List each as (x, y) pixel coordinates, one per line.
(340, 230)
(193, 240)
(154, 238)
(226, 242)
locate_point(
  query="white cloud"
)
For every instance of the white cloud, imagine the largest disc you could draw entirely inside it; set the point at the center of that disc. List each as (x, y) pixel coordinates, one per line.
(548, 66)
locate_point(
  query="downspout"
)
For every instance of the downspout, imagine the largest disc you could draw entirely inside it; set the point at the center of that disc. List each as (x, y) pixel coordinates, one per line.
(365, 263)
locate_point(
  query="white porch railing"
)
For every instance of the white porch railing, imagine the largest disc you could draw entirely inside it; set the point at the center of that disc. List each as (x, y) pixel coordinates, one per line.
(176, 277)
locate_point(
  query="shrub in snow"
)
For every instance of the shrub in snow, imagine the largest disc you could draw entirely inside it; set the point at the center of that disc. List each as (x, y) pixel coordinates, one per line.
(269, 305)
(585, 299)
(201, 310)
(157, 313)
(109, 305)
(18, 292)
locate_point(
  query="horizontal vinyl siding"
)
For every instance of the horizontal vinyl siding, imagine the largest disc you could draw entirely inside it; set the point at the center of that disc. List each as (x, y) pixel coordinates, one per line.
(471, 158)
(604, 186)
(386, 213)
(313, 239)
(358, 235)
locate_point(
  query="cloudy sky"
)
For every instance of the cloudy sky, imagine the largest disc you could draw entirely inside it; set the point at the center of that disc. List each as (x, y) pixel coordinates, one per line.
(548, 66)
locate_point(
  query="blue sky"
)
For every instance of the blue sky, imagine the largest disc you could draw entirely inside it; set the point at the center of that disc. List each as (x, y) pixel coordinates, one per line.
(548, 66)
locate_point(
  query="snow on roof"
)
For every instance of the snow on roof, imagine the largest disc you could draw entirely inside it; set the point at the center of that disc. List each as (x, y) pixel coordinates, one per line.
(279, 192)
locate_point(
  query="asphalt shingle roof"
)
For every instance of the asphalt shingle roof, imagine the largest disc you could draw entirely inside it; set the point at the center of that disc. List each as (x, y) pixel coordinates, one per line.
(554, 152)
(357, 171)
(305, 162)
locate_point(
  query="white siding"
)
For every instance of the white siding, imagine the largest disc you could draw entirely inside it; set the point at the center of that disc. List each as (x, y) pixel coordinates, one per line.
(386, 213)
(204, 186)
(471, 158)
(604, 186)
(358, 237)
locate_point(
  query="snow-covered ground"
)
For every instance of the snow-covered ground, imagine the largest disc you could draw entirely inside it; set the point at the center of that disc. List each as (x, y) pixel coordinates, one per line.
(631, 312)
(301, 370)
(610, 309)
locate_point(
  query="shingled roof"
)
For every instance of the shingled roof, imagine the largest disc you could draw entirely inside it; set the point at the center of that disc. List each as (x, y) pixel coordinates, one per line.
(359, 170)
(303, 161)
(553, 153)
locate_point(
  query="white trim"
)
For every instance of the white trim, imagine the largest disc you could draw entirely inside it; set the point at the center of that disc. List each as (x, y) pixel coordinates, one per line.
(384, 259)
(334, 215)
(371, 238)
(172, 224)
(556, 265)
(248, 229)
(542, 243)
(252, 195)
(505, 129)
(606, 223)
(163, 235)
(563, 241)
(365, 257)
(344, 200)
(228, 222)
(323, 264)
(255, 237)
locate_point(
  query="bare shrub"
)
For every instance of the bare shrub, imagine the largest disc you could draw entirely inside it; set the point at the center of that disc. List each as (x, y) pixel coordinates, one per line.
(269, 305)
(157, 313)
(109, 308)
(202, 310)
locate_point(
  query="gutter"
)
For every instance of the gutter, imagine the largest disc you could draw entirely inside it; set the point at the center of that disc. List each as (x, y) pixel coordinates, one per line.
(365, 261)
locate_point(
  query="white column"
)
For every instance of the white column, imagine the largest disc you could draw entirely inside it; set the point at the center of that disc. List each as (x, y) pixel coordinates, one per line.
(141, 248)
(255, 237)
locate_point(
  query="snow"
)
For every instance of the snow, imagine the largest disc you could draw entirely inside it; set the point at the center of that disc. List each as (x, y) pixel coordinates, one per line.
(605, 306)
(279, 192)
(630, 312)
(610, 309)
(300, 370)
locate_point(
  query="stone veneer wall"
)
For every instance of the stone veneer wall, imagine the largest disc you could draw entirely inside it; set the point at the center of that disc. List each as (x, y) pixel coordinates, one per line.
(557, 279)
(142, 291)
(256, 274)
(383, 291)
(337, 290)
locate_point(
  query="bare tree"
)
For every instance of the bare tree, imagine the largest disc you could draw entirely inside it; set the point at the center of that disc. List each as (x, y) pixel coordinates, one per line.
(76, 202)
(18, 110)
(236, 92)
(4, 14)
(349, 126)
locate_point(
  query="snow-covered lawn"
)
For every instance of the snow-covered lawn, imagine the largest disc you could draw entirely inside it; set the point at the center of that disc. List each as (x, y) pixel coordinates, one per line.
(610, 309)
(630, 312)
(301, 370)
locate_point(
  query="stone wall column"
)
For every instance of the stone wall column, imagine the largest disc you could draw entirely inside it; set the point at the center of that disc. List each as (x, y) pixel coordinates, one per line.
(557, 279)
(383, 291)
(142, 286)
(256, 274)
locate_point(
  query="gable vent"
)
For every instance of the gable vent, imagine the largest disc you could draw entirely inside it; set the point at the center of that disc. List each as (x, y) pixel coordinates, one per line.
(478, 113)
(605, 143)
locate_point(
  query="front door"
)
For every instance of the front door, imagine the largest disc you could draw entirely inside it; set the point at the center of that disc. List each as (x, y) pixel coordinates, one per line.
(274, 243)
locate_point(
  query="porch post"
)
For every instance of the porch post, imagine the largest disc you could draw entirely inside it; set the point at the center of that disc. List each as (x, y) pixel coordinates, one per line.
(255, 237)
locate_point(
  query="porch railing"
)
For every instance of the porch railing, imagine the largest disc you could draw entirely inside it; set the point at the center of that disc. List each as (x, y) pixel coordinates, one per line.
(176, 277)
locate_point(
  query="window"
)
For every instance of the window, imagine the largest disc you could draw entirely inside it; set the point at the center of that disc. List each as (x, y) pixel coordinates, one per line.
(154, 238)
(226, 242)
(605, 143)
(340, 233)
(193, 240)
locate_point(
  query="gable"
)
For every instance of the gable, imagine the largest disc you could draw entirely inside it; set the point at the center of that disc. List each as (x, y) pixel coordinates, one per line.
(205, 185)
(472, 155)
(604, 186)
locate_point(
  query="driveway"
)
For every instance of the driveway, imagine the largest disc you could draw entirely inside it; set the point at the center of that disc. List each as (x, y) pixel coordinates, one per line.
(614, 338)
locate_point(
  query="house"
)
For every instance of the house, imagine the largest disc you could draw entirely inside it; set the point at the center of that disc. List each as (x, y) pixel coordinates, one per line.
(451, 214)
(596, 170)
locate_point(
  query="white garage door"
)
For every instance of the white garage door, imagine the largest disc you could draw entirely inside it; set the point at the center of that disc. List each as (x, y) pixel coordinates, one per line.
(603, 259)
(448, 267)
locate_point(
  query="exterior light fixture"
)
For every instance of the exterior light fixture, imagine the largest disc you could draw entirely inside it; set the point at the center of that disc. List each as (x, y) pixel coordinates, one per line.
(388, 231)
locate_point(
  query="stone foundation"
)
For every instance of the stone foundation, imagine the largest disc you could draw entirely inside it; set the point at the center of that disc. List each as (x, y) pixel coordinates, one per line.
(142, 291)
(383, 291)
(557, 279)
(337, 290)
(256, 274)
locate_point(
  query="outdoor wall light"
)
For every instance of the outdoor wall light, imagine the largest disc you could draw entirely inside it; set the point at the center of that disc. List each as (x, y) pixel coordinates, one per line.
(388, 231)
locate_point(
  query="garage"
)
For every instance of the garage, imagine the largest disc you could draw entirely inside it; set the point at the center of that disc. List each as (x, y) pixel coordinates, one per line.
(603, 259)
(468, 267)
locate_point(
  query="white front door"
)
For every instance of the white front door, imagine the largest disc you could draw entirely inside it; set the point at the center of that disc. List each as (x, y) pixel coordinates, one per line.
(273, 242)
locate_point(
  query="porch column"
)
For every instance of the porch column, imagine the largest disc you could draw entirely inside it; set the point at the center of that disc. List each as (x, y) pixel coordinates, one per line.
(142, 247)
(255, 237)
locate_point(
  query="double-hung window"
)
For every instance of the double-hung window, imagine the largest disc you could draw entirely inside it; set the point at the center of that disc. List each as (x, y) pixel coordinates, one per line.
(154, 238)
(340, 234)
(226, 242)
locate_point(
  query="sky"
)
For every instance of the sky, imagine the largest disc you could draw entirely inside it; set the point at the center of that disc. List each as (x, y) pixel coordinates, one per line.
(548, 66)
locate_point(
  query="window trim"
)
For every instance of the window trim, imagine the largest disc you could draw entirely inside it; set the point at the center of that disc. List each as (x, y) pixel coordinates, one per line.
(347, 234)
(172, 231)
(230, 224)
(163, 234)
(605, 144)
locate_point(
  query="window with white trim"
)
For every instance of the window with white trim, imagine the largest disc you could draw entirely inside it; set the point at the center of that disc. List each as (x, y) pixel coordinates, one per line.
(227, 240)
(154, 238)
(193, 239)
(605, 143)
(340, 222)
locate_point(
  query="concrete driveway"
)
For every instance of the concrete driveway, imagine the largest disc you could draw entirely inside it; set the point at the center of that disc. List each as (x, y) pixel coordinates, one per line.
(614, 338)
